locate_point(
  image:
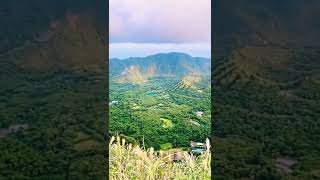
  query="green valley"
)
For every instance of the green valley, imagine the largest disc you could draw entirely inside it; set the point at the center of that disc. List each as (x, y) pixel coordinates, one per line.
(161, 111)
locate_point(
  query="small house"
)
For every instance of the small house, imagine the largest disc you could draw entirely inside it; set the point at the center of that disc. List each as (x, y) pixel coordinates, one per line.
(197, 147)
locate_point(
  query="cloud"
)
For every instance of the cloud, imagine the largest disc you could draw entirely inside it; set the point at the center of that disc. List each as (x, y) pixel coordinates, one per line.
(126, 50)
(176, 21)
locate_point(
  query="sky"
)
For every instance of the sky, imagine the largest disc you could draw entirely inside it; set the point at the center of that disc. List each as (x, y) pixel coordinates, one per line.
(145, 27)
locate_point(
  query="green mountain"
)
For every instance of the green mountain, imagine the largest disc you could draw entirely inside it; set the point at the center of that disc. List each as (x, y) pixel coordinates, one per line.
(159, 65)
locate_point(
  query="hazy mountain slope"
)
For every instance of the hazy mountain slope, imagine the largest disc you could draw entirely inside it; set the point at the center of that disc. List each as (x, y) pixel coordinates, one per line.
(267, 66)
(21, 21)
(73, 44)
(266, 22)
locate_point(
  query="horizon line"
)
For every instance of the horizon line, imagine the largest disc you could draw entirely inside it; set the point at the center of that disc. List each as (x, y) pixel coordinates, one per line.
(209, 58)
(125, 50)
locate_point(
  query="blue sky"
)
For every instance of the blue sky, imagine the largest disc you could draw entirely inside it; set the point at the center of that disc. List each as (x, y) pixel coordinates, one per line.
(126, 50)
(145, 27)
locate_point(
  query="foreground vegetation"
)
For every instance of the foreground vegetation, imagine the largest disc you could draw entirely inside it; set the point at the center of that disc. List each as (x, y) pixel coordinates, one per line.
(127, 161)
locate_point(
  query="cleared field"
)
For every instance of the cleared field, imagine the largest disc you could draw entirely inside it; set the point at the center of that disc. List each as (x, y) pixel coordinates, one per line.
(165, 146)
(167, 123)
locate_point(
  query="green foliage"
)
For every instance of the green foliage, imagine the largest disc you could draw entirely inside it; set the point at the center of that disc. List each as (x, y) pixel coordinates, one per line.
(163, 118)
(60, 122)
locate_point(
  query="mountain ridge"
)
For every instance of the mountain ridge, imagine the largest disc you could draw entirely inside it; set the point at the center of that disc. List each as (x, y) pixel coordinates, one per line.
(159, 54)
(174, 64)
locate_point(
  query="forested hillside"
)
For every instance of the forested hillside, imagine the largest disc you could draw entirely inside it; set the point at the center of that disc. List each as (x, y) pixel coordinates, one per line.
(163, 64)
(266, 90)
(53, 76)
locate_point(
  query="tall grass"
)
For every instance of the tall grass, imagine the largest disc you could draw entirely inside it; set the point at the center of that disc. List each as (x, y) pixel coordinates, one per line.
(128, 162)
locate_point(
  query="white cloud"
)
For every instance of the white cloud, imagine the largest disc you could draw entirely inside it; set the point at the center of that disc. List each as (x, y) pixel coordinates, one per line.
(182, 21)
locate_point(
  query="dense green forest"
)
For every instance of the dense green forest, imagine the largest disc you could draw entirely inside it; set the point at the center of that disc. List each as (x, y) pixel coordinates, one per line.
(140, 113)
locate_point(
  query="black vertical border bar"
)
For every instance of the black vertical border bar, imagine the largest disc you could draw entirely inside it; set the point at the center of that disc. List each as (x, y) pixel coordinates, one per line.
(107, 137)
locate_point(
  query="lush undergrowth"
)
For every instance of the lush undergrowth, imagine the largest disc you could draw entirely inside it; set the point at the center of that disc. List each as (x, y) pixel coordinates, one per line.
(128, 162)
